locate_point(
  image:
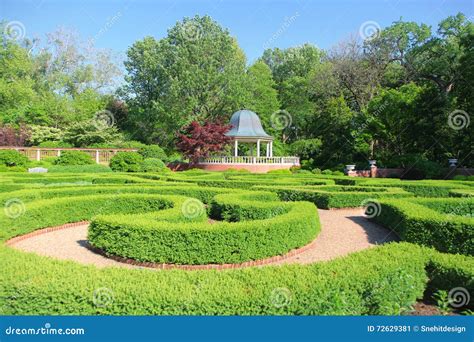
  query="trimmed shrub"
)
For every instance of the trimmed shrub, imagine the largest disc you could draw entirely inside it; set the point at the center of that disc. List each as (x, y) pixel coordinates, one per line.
(326, 172)
(152, 151)
(126, 162)
(380, 281)
(279, 172)
(10, 158)
(4, 168)
(55, 144)
(153, 165)
(94, 168)
(74, 158)
(448, 271)
(431, 222)
(326, 197)
(194, 241)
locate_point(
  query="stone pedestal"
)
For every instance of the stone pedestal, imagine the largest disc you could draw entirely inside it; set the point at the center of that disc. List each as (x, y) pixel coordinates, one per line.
(373, 171)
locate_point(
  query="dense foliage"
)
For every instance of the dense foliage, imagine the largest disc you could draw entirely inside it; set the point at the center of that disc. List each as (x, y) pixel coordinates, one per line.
(199, 141)
(74, 158)
(12, 158)
(402, 96)
(382, 280)
(126, 162)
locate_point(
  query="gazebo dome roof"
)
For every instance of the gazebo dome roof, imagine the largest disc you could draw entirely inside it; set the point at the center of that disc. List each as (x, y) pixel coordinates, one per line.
(246, 124)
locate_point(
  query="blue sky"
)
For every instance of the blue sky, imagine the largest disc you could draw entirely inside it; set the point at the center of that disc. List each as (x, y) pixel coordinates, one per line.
(256, 24)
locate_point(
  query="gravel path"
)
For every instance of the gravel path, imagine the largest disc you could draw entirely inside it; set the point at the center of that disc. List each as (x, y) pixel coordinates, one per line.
(343, 231)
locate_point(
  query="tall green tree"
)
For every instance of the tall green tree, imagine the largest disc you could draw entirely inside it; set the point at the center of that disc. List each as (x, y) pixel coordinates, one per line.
(196, 72)
(263, 97)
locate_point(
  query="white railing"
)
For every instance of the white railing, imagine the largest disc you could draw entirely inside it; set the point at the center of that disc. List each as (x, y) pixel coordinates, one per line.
(100, 155)
(250, 160)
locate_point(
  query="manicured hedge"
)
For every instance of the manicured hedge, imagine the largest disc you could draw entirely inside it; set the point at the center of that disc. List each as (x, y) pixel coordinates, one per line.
(425, 188)
(151, 238)
(445, 224)
(47, 192)
(379, 281)
(461, 193)
(448, 271)
(57, 211)
(326, 197)
(79, 168)
(238, 207)
(382, 280)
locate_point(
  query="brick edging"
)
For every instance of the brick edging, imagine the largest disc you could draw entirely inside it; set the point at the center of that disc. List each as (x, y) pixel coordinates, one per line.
(19, 238)
(163, 266)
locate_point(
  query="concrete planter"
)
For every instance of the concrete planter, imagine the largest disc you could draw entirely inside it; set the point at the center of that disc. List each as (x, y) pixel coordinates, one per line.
(452, 162)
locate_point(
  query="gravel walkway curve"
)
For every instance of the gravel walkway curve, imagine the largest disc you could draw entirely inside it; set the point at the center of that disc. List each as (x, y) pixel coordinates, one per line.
(343, 231)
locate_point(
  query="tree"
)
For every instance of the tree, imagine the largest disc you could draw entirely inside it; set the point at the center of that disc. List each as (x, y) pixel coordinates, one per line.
(263, 96)
(292, 70)
(358, 74)
(195, 73)
(55, 83)
(10, 136)
(86, 133)
(17, 87)
(200, 141)
(295, 61)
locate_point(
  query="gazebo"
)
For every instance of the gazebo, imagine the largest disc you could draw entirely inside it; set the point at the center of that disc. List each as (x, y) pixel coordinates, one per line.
(247, 128)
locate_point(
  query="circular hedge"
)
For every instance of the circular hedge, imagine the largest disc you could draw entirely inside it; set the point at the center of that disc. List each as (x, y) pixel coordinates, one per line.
(183, 234)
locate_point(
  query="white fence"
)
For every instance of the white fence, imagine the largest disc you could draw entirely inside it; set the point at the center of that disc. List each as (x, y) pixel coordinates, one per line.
(251, 160)
(100, 155)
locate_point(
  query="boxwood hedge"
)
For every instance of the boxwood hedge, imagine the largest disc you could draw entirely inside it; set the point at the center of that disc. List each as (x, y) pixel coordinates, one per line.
(262, 230)
(326, 197)
(445, 224)
(382, 280)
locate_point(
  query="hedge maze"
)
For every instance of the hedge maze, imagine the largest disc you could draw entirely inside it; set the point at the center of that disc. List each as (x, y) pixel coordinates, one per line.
(198, 218)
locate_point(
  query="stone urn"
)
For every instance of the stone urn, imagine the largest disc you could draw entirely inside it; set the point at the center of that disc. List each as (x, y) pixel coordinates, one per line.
(452, 162)
(372, 162)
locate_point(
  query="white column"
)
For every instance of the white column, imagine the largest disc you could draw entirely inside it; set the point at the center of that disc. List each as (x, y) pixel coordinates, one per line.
(236, 148)
(271, 148)
(258, 147)
(38, 154)
(97, 159)
(267, 154)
